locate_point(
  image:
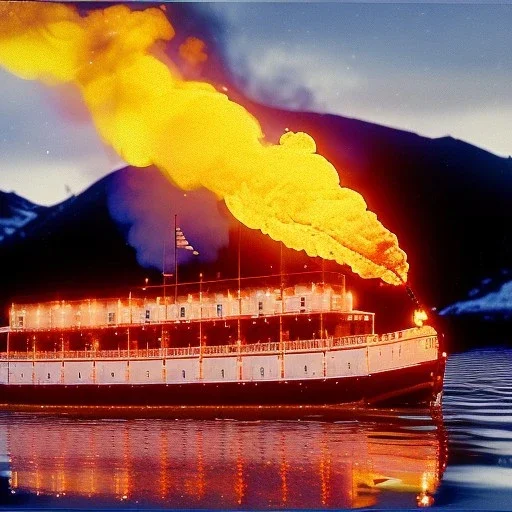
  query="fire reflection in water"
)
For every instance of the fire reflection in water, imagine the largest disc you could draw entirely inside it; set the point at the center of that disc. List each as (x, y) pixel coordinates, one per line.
(226, 464)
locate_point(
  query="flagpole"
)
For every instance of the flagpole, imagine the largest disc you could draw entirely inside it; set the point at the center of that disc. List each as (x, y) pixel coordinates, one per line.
(239, 279)
(175, 259)
(163, 278)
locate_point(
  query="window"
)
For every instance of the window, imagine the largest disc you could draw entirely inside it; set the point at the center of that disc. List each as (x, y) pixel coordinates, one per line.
(349, 366)
(262, 371)
(111, 318)
(222, 373)
(305, 369)
(260, 307)
(303, 302)
(182, 312)
(366, 318)
(349, 318)
(48, 375)
(79, 375)
(21, 320)
(183, 373)
(219, 310)
(147, 374)
(148, 313)
(112, 374)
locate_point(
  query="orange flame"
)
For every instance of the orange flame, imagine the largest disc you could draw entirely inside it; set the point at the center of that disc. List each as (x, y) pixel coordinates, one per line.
(195, 134)
(420, 317)
(193, 51)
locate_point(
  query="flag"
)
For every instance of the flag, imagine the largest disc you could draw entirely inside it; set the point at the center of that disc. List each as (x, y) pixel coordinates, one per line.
(183, 243)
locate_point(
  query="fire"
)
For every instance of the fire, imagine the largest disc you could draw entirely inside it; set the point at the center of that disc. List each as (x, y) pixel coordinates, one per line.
(193, 51)
(197, 137)
(420, 316)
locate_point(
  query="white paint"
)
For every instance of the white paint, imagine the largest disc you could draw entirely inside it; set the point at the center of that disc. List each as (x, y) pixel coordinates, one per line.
(20, 372)
(220, 369)
(304, 366)
(4, 372)
(145, 372)
(345, 363)
(111, 372)
(397, 350)
(48, 373)
(261, 368)
(78, 372)
(181, 371)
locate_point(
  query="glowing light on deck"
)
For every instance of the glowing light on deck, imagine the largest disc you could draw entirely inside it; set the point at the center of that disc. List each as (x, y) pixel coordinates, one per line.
(420, 317)
(195, 134)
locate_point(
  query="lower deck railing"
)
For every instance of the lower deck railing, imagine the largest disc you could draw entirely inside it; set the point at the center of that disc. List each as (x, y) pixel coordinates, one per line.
(233, 349)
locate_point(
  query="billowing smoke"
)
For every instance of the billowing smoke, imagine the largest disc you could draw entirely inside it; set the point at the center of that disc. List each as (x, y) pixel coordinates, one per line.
(144, 203)
(195, 135)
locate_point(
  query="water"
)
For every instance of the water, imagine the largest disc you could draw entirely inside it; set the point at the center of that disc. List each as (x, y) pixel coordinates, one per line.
(458, 459)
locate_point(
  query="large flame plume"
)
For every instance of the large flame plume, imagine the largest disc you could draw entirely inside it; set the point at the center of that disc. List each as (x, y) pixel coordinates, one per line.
(194, 134)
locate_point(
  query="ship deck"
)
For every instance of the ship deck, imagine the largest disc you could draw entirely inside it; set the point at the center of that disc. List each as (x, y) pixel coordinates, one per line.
(273, 347)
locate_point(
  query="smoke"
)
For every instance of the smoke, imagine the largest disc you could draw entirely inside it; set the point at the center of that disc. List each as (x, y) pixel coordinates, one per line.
(144, 202)
(195, 135)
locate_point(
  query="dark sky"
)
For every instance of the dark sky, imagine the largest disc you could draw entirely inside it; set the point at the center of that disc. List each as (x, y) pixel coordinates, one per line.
(434, 69)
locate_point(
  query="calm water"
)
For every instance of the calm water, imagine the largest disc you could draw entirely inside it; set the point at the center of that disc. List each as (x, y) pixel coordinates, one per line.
(461, 458)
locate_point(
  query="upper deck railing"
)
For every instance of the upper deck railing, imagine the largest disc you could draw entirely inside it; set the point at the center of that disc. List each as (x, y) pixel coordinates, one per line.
(234, 349)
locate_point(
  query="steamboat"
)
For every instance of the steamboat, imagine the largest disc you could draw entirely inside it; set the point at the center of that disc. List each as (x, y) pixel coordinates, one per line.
(299, 340)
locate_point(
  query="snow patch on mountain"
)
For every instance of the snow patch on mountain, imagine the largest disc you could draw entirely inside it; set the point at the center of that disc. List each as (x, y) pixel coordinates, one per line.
(499, 301)
(15, 213)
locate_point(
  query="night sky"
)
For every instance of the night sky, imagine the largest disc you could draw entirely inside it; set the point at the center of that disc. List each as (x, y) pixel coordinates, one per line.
(431, 69)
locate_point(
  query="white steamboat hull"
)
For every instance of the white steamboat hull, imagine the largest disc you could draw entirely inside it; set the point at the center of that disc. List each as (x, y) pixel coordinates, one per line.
(404, 367)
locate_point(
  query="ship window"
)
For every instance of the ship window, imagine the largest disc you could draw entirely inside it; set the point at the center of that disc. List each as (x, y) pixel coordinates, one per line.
(112, 374)
(22, 375)
(148, 312)
(262, 371)
(147, 374)
(260, 306)
(222, 373)
(366, 318)
(79, 375)
(219, 310)
(111, 318)
(305, 369)
(183, 373)
(182, 312)
(349, 317)
(349, 366)
(21, 320)
(303, 302)
(48, 375)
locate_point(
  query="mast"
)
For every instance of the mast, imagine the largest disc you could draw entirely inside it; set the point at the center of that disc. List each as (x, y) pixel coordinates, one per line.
(175, 259)
(281, 290)
(200, 309)
(322, 302)
(239, 281)
(200, 325)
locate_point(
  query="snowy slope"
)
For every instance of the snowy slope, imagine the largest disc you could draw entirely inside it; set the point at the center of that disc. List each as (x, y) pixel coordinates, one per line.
(15, 213)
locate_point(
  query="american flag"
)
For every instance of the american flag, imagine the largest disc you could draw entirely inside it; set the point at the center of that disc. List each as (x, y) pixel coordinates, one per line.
(183, 243)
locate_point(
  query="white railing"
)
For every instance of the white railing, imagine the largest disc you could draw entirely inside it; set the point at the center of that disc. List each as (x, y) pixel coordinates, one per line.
(253, 348)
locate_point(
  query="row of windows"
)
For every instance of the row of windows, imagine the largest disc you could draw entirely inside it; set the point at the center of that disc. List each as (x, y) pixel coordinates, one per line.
(183, 373)
(366, 318)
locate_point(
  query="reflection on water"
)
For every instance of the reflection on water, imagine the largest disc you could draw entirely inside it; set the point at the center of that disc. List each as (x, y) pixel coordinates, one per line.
(327, 459)
(223, 464)
(477, 409)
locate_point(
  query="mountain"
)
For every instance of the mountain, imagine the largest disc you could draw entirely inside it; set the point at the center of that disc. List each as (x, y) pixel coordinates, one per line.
(447, 201)
(15, 213)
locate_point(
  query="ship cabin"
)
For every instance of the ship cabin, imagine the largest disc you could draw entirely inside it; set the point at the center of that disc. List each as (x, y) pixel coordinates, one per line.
(204, 313)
